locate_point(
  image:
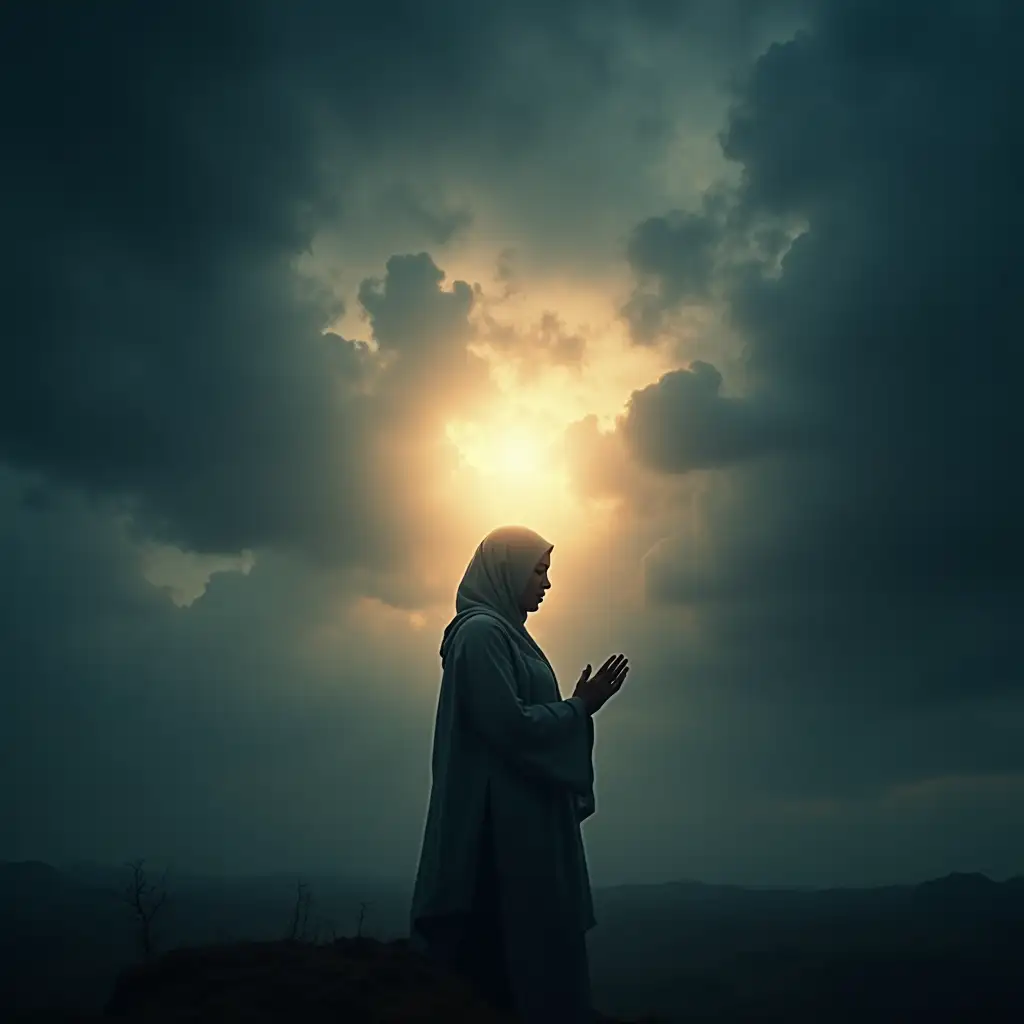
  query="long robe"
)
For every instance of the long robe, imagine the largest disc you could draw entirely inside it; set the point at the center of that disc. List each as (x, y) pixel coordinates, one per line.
(512, 780)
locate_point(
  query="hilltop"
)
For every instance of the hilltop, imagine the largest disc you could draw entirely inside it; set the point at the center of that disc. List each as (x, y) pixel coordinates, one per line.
(948, 949)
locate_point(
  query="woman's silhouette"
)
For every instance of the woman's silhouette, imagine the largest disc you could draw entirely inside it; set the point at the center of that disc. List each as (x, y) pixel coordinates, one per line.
(502, 893)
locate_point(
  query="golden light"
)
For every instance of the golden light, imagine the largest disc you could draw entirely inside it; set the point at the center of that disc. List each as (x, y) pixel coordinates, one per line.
(511, 464)
(498, 451)
(510, 472)
(517, 453)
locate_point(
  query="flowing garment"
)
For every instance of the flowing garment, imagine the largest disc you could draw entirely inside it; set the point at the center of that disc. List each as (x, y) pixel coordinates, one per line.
(502, 892)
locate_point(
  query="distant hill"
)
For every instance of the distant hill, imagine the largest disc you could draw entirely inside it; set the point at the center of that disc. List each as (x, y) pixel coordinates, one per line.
(949, 949)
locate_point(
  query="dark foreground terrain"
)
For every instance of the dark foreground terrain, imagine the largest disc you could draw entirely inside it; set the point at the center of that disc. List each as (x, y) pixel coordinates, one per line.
(356, 981)
(346, 980)
(947, 950)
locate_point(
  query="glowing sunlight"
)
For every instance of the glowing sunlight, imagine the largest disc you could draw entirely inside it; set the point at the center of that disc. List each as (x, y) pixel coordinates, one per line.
(500, 451)
(509, 472)
(511, 463)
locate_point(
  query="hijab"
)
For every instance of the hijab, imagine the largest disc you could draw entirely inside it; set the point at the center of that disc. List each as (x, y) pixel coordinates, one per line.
(494, 582)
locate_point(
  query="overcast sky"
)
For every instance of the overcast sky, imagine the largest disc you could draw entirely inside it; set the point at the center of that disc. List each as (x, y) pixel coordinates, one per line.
(301, 299)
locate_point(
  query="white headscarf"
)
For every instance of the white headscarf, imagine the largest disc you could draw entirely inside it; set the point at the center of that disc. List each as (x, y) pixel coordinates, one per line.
(494, 582)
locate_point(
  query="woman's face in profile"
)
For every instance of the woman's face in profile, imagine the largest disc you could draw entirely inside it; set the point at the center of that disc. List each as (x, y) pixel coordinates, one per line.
(537, 584)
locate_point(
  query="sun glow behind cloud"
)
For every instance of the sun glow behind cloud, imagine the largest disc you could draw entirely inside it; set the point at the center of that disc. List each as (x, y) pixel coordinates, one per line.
(511, 472)
(501, 452)
(512, 463)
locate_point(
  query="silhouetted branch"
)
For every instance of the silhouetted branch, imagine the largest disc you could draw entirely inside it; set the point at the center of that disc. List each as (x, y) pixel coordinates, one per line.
(145, 898)
(362, 917)
(300, 913)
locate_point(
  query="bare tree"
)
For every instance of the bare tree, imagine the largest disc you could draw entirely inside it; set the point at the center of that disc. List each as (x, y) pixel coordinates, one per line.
(300, 913)
(362, 917)
(145, 899)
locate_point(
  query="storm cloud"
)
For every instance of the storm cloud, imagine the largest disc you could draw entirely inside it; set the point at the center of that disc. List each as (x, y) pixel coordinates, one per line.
(258, 257)
(683, 422)
(874, 575)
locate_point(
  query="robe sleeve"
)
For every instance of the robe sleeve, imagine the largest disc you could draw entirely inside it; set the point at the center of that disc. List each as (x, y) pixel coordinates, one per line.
(585, 803)
(585, 806)
(552, 741)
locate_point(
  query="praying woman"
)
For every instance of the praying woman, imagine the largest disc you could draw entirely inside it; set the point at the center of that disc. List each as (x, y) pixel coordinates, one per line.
(502, 894)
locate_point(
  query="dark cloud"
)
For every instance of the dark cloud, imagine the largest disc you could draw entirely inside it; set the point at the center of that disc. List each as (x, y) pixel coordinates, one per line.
(161, 345)
(673, 257)
(886, 560)
(684, 422)
(232, 421)
(684, 262)
(408, 311)
(159, 342)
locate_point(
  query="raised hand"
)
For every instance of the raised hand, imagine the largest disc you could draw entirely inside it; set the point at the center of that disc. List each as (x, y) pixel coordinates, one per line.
(596, 690)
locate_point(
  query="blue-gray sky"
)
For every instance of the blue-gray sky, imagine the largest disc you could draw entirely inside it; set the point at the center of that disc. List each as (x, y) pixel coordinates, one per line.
(302, 298)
